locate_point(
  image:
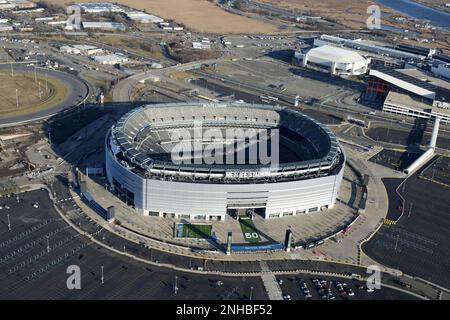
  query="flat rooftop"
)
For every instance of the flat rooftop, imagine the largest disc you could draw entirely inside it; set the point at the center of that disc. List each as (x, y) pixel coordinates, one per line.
(421, 75)
(407, 101)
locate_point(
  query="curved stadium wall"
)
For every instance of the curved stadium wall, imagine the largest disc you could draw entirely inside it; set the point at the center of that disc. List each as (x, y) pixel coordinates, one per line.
(199, 192)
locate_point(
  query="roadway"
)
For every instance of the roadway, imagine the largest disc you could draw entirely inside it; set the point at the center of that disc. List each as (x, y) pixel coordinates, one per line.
(78, 90)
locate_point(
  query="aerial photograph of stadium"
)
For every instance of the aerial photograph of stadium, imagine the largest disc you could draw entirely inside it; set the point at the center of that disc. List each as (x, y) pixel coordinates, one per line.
(196, 151)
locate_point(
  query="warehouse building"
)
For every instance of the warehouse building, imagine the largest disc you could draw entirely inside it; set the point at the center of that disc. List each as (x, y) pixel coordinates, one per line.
(442, 70)
(143, 17)
(110, 59)
(88, 49)
(112, 26)
(100, 7)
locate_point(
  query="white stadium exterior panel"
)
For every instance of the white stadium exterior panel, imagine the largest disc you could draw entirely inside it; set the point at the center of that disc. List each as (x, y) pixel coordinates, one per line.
(287, 190)
(214, 199)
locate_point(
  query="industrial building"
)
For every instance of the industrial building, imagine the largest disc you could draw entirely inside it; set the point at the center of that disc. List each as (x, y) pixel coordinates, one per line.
(69, 50)
(442, 70)
(361, 45)
(112, 26)
(335, 60)
(5, 27)
(16, 4)
(100, 7)
(88, 49)
(143, 17)
(110, 59)
(141, 170)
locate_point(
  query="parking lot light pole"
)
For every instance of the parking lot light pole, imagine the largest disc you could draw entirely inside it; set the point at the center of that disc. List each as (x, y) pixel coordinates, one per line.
(175, 287)
(410, 208)
(48, 244)
(9, 222)
(396, 243)
(102, 278)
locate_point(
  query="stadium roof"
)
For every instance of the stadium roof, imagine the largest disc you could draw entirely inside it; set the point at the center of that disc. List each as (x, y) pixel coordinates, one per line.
(132, 134)
(336, 54)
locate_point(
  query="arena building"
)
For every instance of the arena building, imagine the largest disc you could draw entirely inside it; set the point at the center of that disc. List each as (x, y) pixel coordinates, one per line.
(335, 60)
(156, 163)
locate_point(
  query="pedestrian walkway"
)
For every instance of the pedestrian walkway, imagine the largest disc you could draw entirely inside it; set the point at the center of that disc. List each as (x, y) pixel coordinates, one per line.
(270, 283)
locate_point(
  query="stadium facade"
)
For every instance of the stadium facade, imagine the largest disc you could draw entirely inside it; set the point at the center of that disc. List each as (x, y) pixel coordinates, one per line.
(141, 170)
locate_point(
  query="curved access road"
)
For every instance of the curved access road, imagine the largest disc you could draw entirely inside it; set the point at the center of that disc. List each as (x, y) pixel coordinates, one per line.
(123, 89)
(77, 92)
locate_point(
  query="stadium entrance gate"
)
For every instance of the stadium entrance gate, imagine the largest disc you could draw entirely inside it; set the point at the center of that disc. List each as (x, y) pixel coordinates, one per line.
(250, 211)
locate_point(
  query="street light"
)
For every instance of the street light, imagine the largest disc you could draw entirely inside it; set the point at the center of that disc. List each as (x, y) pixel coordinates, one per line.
(396, 243)
(9, 222)
(251, 293)
(410, 208)
(48, 244)
(175, 287)
(102, 278)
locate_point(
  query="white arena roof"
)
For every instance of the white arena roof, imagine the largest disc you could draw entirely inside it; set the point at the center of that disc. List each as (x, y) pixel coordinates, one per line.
(335, 54)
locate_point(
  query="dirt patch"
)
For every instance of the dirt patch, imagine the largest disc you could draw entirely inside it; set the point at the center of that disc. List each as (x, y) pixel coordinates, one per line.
(33, 93)
(184, 55)
(351, 13)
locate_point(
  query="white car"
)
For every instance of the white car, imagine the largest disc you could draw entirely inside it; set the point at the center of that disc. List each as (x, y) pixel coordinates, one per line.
(286, 297)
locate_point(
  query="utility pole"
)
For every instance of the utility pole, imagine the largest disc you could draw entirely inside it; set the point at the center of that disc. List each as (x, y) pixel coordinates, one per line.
(410, 207)
(35, 78)
(17, 98)
(12, 70)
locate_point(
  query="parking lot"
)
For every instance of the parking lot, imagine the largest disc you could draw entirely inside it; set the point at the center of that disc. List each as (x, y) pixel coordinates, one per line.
(306, 287)
(418, 243)
(438, 171)
(403, 137)
(394, 159)
(27, 265)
